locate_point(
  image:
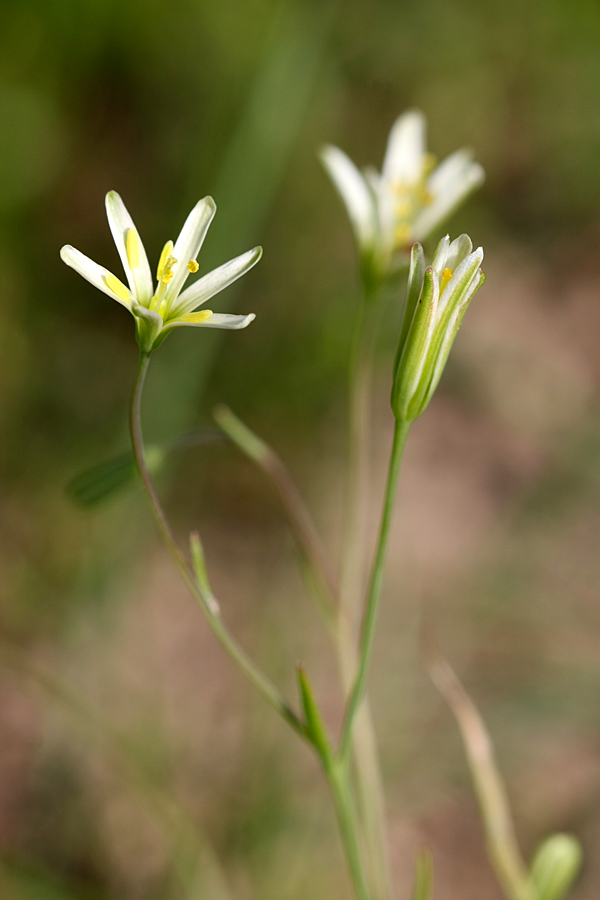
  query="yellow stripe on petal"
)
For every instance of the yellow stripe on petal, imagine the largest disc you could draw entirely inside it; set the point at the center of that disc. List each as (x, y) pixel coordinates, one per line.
(118, 288)
(197, 317)
(166, 252)
(132, 245)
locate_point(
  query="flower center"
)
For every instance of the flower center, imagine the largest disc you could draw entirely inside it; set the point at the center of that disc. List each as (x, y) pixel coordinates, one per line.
(409, 199)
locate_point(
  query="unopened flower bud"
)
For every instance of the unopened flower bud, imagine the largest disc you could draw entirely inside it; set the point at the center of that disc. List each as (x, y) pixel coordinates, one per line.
(437, 299)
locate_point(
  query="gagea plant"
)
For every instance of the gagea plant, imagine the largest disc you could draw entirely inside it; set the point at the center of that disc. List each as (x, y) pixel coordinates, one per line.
(392, 213)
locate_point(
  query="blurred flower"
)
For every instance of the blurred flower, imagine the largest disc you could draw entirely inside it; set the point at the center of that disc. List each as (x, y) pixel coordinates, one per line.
(437, 299)
(157, 312)
(407, 201)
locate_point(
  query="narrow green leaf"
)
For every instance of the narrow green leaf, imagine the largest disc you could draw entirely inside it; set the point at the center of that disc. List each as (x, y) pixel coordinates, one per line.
(98, 483)
(315, 726)
(423, 889)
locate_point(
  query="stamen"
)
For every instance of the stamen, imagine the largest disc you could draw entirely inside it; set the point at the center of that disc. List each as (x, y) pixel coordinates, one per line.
(117, 287)
(197, 317)
(167, 272)
(446, 276)
(166, 252)
(132, 246)
(193, 266)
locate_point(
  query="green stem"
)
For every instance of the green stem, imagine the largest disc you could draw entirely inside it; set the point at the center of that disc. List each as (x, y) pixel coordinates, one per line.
(337, 776)
(352, 562)
(260, 681)
(367, 768)
(370, 618)
(324, 588)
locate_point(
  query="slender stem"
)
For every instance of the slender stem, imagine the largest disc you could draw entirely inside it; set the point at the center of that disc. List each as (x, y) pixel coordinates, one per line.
(314, 557)
(337, 776)
(370, 617)
(260, 681)
(366, 759)
(352, 561)
(325, 594)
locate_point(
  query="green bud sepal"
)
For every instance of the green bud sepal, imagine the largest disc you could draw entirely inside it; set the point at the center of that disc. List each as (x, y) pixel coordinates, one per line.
(148, 326)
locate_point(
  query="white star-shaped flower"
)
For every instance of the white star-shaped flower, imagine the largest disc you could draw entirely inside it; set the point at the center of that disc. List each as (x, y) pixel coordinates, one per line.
(407, 200)
(158, 310)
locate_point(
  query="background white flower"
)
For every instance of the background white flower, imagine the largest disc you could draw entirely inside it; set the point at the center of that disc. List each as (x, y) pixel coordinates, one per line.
(408, 199)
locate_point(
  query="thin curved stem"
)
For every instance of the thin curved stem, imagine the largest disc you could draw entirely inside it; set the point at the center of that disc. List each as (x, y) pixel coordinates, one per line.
(325, 592)
(370, 617)
(260, 681)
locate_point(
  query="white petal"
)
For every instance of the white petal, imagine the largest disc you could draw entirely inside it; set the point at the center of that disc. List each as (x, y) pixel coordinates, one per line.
(467, 271)
(452, 168)
(385, 201)
(139, 278)
(441, 255)
(458, 250)
(451, 182)
(187, 246)
(215, 281)
(91, 271)
(217, 320)
(405, 148)
(355, 193)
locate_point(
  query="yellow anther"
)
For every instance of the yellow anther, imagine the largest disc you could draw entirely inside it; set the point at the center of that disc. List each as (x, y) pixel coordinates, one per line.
(166, 252)
(197, 317)
(117, 287)
(446, 276)
(193, 266)
(167, 270)
(402, 234)
(132, 245)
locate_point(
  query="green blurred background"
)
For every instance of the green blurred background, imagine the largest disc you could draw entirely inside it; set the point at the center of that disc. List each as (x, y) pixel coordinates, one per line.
(134, 762)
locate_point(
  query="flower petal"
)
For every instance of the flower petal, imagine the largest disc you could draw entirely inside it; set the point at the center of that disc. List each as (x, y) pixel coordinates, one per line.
(440, 256)
(217, 320)
(187, 245)
(458, 250)
(92, 272)
(449, 184)
(130, 247)
(215, 281)
(464, 279)
(405, 151)
(355, 193)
